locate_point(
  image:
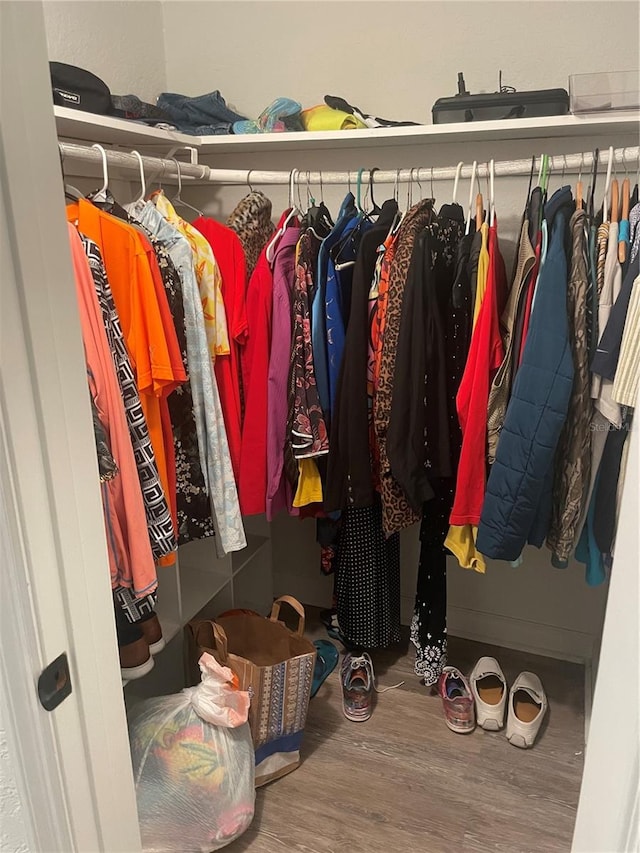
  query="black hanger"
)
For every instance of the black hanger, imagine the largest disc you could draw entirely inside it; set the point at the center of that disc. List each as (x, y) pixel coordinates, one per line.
(376, 210)
(594, 176)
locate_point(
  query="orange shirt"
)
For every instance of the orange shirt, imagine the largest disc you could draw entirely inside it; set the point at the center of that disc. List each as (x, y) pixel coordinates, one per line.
(136, 300)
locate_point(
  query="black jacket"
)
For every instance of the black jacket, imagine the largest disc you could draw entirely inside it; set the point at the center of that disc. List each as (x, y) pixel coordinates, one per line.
(349, 476)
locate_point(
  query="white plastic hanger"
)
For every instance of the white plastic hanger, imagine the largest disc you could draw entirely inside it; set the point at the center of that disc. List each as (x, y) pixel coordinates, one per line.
(101, 195)
(292, 213)
(143, 182)
(456, 181)
(472, 186)
(177, 199)
(540, 170)
(492, 196)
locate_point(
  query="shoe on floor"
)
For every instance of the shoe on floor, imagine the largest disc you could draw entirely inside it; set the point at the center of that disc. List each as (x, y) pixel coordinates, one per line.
(489, 690)
(457, 701)
(357, 687)
(527, 707)
(152, 633)
(135, 659)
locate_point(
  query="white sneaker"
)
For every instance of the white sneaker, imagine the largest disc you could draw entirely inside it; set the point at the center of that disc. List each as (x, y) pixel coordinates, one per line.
(527, 707)
(489, 690)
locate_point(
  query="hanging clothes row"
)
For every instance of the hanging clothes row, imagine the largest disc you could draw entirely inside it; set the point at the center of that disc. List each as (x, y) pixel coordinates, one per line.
(424, 384)
(370, 371)
(161, 333)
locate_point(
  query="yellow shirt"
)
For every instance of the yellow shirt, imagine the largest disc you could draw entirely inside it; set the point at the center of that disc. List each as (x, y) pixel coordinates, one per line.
(208, 277)
(483, 271)
(461, 541)
(309, 489)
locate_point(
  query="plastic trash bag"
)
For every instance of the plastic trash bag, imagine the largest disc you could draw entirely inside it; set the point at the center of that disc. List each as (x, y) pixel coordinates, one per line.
(193, 764)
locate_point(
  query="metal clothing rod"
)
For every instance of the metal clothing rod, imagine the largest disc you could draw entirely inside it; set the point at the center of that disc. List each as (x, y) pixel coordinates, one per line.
(166, 170)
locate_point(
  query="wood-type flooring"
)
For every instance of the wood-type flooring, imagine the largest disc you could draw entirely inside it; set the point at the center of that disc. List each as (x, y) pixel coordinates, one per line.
(403, 783)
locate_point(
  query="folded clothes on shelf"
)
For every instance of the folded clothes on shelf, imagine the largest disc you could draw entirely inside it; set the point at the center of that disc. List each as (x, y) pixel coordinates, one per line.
(204, 115)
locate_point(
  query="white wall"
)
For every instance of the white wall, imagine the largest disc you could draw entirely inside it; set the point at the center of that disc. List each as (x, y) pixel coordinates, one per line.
(13, 831)
(392, 59)
(120, 40)
(395, 59)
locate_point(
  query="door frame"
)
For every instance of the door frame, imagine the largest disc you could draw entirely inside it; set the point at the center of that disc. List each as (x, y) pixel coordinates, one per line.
(59, 581)
(608, 811)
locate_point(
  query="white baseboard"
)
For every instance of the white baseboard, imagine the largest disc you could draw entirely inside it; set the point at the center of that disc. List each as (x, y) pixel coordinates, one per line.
(533, 637)
(483, 627)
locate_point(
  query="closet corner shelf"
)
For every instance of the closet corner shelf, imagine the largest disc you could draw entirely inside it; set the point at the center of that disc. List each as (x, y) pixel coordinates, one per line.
(88, 127)
(76, 125)
(198, 587)
(239, 559)
(427, 134)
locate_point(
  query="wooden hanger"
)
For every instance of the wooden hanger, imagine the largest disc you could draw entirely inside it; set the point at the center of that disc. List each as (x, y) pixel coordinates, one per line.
(615, 200)
(479, 211)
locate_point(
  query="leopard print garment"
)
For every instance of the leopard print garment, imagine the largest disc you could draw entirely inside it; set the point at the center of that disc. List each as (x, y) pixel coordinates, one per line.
(251, 220)
(396, 512)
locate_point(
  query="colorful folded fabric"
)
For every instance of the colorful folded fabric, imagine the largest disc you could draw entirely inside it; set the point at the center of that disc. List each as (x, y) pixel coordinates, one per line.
(326, 118)
(282, 115)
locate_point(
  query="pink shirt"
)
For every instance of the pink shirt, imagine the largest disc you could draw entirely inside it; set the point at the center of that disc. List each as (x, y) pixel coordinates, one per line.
(130, 556)
(279, 493)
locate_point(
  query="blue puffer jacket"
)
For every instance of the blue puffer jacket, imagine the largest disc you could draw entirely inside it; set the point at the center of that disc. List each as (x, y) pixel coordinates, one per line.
(517, 501)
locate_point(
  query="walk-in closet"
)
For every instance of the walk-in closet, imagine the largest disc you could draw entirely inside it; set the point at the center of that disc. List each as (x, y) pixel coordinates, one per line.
(319, 466)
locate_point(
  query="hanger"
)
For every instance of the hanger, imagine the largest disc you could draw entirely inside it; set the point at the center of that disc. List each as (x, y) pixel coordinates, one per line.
(417, 180)
(103, 198)
(456, 181)
(579, 202)
(143, 182)
(615, 200)
(248, 179)
(348, 238)
(101, 195)
(293, 212)
(72, 193)
(177, 199)
(359, 189)
(492, 197)
(626, 196)
(479, 209)
(607, 188)
(544, 183)
(376, 210)
(594, 177)
(433, 195)
(474, 169)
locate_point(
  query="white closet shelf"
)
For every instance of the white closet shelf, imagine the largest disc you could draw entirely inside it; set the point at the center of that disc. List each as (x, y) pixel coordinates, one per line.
(198, 586)
(255, 543)
(428, 134)
(90, 127)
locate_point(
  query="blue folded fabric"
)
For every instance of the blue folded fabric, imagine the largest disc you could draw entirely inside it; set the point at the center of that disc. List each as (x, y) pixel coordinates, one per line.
(281, 115)
(203, 115)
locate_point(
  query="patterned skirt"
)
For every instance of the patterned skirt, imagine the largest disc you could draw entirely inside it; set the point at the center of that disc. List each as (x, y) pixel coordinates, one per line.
(368, 579)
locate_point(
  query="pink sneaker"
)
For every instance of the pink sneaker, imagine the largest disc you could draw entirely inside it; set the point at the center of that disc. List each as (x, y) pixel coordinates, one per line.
(457, 701)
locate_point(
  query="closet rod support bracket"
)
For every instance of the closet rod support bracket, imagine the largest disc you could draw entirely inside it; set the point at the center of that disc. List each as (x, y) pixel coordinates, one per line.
(193, 153)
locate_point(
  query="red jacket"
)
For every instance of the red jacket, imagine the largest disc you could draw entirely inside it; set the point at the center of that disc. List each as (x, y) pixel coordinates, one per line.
(252, 483)
(485, 356)
(229, 256)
